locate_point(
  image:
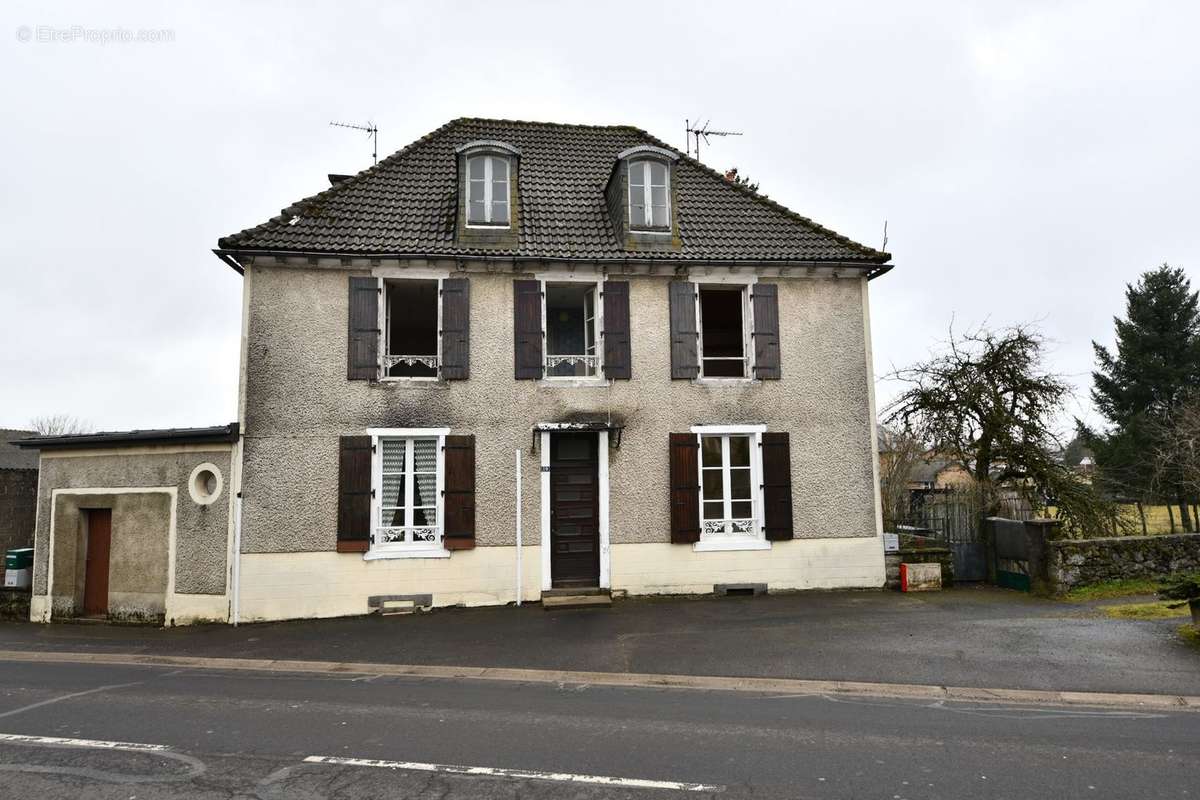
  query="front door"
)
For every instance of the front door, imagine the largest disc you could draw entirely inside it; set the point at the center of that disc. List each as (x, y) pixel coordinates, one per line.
(95, 575)
(574, 510)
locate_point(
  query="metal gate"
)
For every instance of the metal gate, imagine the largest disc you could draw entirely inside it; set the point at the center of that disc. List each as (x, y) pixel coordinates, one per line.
(952, 518)
(1012, 553)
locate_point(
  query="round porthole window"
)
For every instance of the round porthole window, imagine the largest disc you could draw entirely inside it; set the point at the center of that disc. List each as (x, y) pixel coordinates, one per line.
(205, 484)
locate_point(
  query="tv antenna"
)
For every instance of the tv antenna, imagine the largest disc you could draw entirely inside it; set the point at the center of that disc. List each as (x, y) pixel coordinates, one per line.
(371, 130)
(698, 132)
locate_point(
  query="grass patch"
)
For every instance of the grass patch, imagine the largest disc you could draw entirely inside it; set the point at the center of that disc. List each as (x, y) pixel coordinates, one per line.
(1190, 634)
(1117, 588)
(1157, 610)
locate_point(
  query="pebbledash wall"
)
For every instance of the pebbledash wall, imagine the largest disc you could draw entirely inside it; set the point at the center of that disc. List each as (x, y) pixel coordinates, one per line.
(170, 553)
(296, 402)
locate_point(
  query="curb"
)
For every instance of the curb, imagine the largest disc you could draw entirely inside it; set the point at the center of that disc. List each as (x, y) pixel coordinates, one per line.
(797, 686)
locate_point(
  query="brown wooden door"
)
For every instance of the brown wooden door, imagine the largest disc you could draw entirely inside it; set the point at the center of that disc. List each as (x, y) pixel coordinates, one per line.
(574, 510)
(95, 578)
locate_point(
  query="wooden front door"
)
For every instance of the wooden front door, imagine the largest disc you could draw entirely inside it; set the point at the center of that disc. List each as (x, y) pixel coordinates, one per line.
(574, 510)
(95, 576)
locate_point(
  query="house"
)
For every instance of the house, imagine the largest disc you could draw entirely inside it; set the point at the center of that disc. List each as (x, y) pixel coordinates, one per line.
(515, 358)
(18, 491)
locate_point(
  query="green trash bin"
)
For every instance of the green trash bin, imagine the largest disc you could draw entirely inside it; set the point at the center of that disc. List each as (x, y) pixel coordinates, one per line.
(18, 568)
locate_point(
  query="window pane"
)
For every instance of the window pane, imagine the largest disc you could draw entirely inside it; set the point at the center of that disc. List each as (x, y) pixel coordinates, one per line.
(741, 510)
(658, 196)
(393, 454)
(475, 191)
(658, 174)
(424, 490)
(714, 510)
(392, 518)
(425, 516)
(392, 493)
(424, 455)
(499, 169)
(475, 167)
(637, 174)
(500, 211)
(739, 451)
(739, 484)
(476, 211)
(710, 450)
(714, 485)
(637, 216)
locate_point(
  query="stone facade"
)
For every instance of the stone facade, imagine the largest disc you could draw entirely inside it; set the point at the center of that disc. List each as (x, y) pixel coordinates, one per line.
(18, 507)
(1079, 562)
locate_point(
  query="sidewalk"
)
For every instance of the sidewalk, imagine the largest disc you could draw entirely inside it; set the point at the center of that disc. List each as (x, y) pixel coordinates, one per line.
(972, 637)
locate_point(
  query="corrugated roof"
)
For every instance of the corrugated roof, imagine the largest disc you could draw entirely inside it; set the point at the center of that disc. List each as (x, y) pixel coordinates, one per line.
(407, 205)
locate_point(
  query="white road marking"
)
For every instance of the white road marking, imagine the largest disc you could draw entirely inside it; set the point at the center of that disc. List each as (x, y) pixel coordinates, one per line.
(525, 774)
(96, 743)
(52, 700)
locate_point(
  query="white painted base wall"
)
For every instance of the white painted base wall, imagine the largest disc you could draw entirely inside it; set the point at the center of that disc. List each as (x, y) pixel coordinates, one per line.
(279, 586)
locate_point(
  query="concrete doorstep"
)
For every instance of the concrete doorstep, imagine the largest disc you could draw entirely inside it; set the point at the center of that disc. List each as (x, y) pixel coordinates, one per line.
(797, 686)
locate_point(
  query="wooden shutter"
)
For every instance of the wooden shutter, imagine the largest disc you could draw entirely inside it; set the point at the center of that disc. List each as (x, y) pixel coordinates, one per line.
(354, 494)
(685, 358)
(458, 507)
(362, 359)
(527, 330)
(456, 329)
(617, 356)
(777, 486)
(685, 488)
(766, 331)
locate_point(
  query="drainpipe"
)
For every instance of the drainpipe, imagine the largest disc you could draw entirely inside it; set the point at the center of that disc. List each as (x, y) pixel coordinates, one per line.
(237, 557)
(518, 527)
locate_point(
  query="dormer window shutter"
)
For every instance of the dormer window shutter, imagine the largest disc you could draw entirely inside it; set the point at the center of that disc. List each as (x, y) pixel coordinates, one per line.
(362, 354)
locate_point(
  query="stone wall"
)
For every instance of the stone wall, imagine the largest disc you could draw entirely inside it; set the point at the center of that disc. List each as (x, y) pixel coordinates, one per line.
(921, 555)
(1079, 562)
(18, 507)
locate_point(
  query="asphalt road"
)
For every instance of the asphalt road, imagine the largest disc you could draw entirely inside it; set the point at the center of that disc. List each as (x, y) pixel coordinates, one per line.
(209, 734)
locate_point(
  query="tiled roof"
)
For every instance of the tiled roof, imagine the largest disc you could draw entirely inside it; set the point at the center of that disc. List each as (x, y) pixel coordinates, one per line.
(406, 204)
(13, 457)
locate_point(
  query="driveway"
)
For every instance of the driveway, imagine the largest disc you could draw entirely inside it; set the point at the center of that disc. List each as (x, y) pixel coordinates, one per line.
(975, 637)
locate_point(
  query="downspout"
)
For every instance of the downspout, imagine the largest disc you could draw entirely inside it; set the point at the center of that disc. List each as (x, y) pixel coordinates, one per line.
(236, 571)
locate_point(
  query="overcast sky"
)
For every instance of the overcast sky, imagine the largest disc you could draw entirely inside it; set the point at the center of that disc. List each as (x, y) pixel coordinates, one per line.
(1030, 158)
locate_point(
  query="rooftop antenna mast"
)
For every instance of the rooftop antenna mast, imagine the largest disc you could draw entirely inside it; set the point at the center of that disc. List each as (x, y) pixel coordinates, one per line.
(371, 130)
(697, 132)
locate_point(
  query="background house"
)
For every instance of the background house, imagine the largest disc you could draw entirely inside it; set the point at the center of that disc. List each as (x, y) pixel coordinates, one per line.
(18, 490)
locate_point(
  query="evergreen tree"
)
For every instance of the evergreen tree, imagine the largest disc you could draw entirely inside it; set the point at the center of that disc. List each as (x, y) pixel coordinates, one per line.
(1154, 369)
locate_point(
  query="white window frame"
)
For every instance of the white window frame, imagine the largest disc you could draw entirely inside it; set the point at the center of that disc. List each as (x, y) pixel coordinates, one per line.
(435, 549)
(488, 159)
(747, 288)
(597, 322)
(385, 329)
(652, 226)
(756, 540)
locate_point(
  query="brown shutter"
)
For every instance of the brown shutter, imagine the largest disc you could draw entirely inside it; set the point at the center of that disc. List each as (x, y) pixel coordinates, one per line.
(527, 330)
(354, 494)
(617, 357)
(362, 360)
(777, 486)
(766, 331)
(458, 507)
(685, 488)
(685, 359)
(456, 329)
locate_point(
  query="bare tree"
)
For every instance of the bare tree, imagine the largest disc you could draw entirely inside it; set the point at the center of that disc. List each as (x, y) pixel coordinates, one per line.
(899, 454)
(1175, 460)
(986, 400)
(59, 425)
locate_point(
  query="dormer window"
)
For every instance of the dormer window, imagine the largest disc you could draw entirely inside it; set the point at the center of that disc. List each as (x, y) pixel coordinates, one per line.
(488, 190)
(649, 206)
